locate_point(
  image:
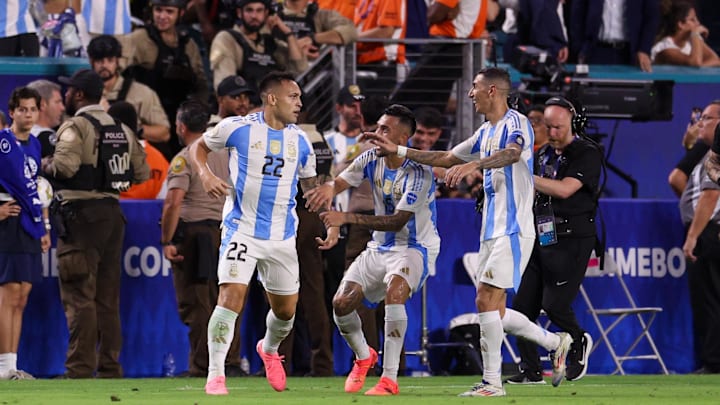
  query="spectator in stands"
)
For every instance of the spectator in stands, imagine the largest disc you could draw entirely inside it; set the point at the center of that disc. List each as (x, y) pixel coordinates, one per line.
(163, 56)
(429, 129)
(316, 27)
(154, 187)
(24, 225)
(536, 116)
(679, 175)
(190, 234)
(700, 212)
(346, 8)
(17, 29)
(234, 98)
(52, 109)
(248, 50)
(379, 19)
(614, 32)
(431, 80)
(104, 52)
(682, 39)
(540, 23)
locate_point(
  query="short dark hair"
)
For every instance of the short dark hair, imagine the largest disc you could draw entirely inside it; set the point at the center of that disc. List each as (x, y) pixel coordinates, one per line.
(429, 117)
(495, 74)
(194, 114)
(405, 116)
(126, 113)
(3, 119)
(372, 108)
(536, 107)
(273, 79)
(22, 93)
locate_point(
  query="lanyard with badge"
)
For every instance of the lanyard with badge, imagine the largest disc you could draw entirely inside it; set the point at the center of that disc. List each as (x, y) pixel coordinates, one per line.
(544, 216)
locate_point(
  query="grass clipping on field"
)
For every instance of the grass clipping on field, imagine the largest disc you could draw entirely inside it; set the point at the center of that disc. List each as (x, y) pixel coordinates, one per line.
(610, 390)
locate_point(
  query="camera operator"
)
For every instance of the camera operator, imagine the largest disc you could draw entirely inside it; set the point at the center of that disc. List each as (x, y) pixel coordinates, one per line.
(567, 175)
(314, 27)
(250, 51)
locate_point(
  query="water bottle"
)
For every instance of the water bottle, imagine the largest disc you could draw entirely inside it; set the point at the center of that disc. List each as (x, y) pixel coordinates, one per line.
(245, 365)
(168, 367)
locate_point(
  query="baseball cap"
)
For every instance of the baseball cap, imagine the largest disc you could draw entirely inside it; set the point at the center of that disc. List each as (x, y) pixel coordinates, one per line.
(350, 94)
(232, 86)
(86, 80)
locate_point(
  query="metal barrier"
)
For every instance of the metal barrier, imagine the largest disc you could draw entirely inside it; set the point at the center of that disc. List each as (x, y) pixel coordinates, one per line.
(320, 84)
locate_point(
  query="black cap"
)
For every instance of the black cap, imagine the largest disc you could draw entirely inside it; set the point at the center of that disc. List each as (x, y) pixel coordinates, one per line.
(86, 80)
(169, 3)
(350, 94)
(234, 85)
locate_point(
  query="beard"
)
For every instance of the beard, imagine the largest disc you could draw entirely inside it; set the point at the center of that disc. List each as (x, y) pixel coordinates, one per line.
(252, 28)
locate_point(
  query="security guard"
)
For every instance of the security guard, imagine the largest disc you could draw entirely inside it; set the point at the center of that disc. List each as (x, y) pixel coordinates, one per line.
(95, 158)
(105, 52)
(315, 27)
(250, 51)
(190, 236)
(567, 177)
(164, 57)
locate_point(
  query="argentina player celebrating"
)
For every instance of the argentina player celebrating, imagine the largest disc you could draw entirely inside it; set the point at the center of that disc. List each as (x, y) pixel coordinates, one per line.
(502, 149)
(400, 255)
(269, 155)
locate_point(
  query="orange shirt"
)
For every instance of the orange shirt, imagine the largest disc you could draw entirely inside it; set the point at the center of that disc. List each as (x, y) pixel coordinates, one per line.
(371, 14)
(346, 8)
(469, 22)
(149, 189)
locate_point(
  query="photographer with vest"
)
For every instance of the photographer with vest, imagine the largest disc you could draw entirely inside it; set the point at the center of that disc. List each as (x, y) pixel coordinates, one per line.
(315, 27)
(165, 58)
(250, 50)
(104, 53)
(95, 158)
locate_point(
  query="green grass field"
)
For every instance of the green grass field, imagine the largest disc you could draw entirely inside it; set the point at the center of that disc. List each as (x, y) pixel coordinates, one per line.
(609, 390)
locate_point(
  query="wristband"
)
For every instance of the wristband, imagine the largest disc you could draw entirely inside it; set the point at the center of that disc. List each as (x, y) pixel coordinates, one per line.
(48, 227)
(402, 151)
(166, 243)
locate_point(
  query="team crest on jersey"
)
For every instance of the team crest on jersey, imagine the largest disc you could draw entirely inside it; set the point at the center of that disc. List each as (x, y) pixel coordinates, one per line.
(275, 147)
(387, 186)
(291, 150)
(178, 164)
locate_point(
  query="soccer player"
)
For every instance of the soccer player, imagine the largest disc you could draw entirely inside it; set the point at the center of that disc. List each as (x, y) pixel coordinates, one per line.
(502, 149)
(400, 255)
(269, 154)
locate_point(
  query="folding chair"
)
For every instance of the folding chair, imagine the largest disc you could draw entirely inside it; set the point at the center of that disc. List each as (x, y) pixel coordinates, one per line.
(644, 315)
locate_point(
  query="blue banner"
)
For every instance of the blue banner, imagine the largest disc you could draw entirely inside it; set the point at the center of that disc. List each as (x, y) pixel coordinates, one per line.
(643, 236)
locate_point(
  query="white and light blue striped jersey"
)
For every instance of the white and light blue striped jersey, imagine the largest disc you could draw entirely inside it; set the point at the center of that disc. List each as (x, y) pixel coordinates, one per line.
(111, 17)
(344, 148)
(509, 190)
(411, 187)
(15, 18)
(265, 165)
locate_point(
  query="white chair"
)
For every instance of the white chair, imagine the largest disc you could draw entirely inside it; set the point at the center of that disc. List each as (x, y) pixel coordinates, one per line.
(643, 315)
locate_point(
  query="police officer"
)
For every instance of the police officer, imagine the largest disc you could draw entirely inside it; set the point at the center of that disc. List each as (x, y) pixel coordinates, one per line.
(164, 57)
(105, 52)
(567, 176)
(95, 158)
(315, 27)
(190, 236)
(247, 49)
(234, 98)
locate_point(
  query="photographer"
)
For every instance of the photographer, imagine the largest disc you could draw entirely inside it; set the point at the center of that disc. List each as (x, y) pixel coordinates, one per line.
(250, 51)
(567, 175)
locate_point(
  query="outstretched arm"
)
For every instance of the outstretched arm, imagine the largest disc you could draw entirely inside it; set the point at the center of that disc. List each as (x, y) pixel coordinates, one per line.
(497, 159)
(385, 147)
(387, 223)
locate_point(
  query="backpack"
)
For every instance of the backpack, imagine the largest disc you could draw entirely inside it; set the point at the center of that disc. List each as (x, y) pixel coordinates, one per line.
(463, 355)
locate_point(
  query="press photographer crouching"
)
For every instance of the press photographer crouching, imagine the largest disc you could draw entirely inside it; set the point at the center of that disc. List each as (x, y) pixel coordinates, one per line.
(567, 175)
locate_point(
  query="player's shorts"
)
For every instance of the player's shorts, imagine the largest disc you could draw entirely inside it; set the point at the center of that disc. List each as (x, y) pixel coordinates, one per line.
(503, 260)
(276, 261)
(373, 269)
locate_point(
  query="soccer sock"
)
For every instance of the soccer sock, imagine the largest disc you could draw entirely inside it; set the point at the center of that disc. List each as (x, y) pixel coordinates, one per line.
(4, 364)
(350, 328)
(221, 330)
(395, 327)
(277, 330)
(491, 337)
(12, 365)
(516, 323)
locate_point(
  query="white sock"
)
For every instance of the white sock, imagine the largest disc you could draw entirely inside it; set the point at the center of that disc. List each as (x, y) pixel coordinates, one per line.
(5, 364)
(395, 327)
(491, 337)
(516, 323)
(277, 330)
(350, 327)
(221, 329)
(13, 361)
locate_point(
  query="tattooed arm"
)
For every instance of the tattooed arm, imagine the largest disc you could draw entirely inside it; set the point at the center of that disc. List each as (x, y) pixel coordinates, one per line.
(386, 223)
(385, 147)
(712, 166)
(500, 158)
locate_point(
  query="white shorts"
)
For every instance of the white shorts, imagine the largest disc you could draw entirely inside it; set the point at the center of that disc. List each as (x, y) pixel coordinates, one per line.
(276, 261)
(373, 269)
(503, 260)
